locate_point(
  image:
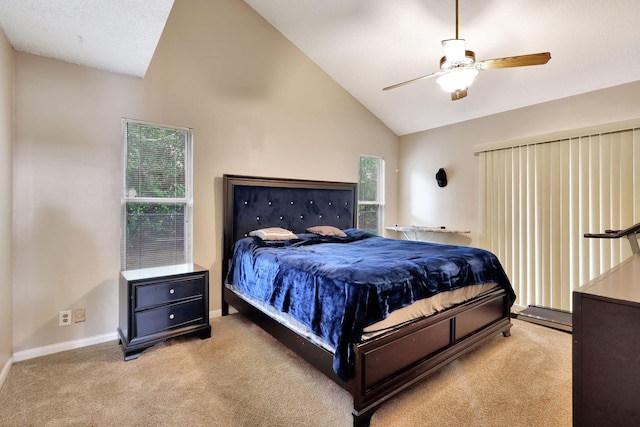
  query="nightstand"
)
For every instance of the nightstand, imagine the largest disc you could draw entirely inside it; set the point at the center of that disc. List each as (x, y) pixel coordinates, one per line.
(160, 303)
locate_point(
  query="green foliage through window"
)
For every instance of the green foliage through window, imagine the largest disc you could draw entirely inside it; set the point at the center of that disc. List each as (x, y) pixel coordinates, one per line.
(156, 209)
(155, 161)
(371, 194)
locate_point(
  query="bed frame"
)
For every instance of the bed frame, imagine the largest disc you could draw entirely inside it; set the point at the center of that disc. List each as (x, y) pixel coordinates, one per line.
(387, 364)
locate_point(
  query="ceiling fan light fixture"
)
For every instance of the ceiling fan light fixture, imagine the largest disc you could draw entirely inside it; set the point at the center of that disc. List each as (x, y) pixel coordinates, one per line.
(457, 79)
(454, 50)
(455, 54)
(458, 66)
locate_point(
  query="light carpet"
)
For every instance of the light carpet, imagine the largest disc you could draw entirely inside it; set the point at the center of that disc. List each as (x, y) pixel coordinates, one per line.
(241, 376)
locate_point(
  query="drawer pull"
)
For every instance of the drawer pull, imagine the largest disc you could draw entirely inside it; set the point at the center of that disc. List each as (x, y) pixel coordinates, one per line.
(171, 316)
(172, 291)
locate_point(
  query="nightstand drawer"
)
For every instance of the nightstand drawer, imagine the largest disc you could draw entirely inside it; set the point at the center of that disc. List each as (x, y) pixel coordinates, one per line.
(162, 302)
(167, 292)
(168, 317)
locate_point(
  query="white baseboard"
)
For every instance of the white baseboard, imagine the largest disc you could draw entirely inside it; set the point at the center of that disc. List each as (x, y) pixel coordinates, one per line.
(5, 370)
(63, 346)
(70, 345)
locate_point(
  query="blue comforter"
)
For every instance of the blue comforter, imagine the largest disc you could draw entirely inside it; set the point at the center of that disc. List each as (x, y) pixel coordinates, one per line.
(338, 285)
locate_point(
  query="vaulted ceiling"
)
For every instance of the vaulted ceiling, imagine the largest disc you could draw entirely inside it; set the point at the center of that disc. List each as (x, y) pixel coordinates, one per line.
(365, 45)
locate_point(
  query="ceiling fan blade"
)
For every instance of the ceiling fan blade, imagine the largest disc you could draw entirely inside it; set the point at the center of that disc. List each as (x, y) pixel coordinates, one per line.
(413, 80)
(515, 61)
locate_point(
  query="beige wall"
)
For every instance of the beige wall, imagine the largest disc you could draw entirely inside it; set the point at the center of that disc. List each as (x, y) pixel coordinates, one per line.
(257, 106)
(422, 202)
(6, 204)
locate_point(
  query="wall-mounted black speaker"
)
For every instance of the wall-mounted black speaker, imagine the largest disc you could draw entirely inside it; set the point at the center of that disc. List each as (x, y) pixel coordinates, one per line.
(441, 178)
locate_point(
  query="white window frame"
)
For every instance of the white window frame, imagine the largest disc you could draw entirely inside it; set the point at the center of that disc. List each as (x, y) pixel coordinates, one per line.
(380, 199)
(129, 197)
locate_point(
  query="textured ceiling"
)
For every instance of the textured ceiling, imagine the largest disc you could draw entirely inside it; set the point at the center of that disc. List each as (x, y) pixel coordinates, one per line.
(112, 35)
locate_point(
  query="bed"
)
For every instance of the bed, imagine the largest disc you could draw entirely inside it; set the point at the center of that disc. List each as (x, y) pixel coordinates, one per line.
(379, 344)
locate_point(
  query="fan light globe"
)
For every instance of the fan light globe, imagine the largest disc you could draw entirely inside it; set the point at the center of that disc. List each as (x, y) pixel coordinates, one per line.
(457, 79)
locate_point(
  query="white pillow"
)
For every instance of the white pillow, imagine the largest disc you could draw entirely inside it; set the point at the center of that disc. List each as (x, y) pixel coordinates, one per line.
(273, 233)
(327, 230)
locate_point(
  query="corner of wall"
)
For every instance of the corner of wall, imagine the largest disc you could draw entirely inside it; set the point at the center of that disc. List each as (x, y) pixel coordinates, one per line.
(7, 105)
(4, 373)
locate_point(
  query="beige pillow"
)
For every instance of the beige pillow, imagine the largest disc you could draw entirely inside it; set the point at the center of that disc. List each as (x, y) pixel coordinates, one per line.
(273, 233)
(327, 230)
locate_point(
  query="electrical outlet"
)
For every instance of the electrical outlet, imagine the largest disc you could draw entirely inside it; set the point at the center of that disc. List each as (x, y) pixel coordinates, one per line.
(64, 318)
(78, 315)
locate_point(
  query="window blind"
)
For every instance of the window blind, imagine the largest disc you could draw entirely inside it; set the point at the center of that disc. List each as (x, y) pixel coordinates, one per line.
(538, 200)
(156, 200)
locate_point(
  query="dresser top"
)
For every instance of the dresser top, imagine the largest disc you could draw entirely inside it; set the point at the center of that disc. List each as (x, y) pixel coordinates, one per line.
(169, 270)
(621, 282)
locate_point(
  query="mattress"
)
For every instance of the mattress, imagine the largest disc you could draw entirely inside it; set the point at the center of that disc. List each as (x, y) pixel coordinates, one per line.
(398, 318)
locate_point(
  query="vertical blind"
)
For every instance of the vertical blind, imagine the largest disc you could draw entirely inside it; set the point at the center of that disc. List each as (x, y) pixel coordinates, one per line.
(539, 199)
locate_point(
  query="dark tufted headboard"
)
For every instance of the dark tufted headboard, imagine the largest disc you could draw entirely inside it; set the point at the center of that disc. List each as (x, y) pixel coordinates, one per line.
(251, 203)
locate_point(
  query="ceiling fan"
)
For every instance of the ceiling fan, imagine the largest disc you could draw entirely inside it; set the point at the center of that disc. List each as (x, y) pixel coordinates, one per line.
(458, 66)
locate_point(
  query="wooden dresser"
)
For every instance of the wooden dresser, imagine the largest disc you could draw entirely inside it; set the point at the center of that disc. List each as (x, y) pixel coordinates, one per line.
(160, 303)
(606, 348)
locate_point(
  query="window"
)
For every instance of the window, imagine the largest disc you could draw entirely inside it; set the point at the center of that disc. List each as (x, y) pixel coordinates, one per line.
(371, 194)
(157, 196)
